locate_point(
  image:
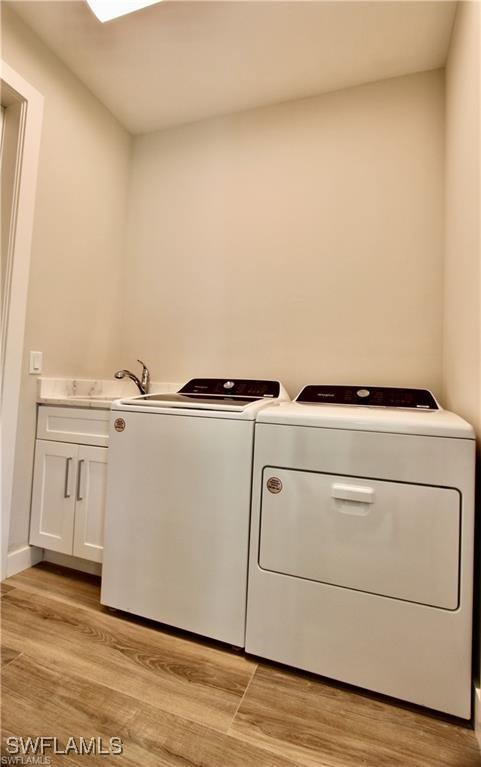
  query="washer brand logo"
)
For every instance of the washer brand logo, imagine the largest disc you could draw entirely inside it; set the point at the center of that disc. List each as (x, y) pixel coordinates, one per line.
(274, 485)
(119, 424)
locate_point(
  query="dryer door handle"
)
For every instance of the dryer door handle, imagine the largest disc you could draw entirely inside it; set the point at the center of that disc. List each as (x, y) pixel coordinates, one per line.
(354, 493)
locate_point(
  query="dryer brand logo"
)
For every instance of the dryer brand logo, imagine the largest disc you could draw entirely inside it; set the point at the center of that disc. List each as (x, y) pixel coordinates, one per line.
(119, 424)
(274, 485)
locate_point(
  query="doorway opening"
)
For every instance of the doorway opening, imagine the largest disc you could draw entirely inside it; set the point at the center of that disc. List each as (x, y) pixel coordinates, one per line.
(21, 121)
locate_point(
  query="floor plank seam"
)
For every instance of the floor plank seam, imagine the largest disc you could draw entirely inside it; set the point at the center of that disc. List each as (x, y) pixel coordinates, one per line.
(243, 696)
(63, 599)
(127, 622)
(138, 702)
(12, 660)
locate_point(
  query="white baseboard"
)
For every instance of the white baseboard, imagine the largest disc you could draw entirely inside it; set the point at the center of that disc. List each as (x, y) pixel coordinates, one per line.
(28, 556)
(75, 563)
(23, 558)
(477, 714)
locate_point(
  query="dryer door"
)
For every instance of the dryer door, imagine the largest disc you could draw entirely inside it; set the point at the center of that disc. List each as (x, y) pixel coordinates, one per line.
(389, 538)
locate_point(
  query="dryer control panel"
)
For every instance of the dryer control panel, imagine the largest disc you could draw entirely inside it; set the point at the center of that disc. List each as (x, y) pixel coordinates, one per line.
(369, 396)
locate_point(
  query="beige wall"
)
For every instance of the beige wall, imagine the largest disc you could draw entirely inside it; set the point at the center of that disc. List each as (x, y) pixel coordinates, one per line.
(302, 241)
(76, 269)
(462, 326)
(462, 293)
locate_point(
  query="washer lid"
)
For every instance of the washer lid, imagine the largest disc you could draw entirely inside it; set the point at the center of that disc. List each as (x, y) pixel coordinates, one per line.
(210, 394)
(189, 402)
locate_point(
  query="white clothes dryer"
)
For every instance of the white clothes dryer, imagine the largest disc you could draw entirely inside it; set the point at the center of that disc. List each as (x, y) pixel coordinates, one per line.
(361, 553)
(178, 504)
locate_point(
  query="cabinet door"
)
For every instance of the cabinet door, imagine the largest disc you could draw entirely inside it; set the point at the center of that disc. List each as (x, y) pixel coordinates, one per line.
(53, 497)
(90, 503)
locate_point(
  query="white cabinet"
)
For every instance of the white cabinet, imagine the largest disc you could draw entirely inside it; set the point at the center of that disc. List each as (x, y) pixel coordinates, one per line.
(69, 488)
(90, 502)
(53, 497)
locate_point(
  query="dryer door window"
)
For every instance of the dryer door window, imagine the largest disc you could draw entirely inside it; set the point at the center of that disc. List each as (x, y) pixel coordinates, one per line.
(388, 538)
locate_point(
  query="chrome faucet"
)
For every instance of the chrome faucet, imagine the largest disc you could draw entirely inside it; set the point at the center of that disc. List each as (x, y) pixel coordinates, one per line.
(143, 384)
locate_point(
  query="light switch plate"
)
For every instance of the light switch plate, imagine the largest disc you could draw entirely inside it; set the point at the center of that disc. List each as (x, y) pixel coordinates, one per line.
(35, 363)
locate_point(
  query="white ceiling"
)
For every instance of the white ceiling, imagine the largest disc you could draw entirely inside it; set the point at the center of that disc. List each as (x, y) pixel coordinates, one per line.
(181, 61)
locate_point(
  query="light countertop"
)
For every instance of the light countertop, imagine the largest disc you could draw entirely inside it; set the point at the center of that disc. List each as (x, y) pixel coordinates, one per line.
(99, 394)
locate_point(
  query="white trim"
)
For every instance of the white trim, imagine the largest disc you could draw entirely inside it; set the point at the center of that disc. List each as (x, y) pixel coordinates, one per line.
(28, 556)
(32, 114)
(75, 563)
(477, 714)
(15, 121)
(22, 559)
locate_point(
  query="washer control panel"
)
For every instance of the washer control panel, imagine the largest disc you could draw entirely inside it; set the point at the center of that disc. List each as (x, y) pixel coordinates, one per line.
(371, 396)
(233, 387)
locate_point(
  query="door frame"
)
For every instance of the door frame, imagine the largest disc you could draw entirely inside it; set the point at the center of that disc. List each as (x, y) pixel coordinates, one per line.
(17, 91)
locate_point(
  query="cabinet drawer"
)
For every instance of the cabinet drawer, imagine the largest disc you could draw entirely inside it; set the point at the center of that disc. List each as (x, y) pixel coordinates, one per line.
(70, 424)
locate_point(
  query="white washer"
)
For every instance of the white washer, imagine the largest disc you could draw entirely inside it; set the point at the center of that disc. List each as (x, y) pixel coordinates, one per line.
(178, 504)
(361, 555)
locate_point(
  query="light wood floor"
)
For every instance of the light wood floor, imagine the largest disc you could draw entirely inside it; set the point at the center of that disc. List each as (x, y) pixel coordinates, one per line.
(72, 668)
